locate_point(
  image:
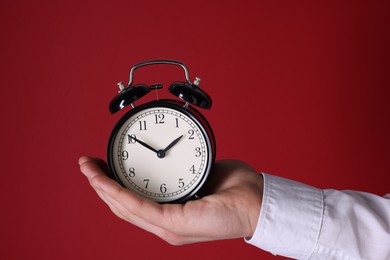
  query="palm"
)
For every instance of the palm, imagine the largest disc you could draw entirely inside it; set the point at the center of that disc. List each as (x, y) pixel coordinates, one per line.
(229, 206)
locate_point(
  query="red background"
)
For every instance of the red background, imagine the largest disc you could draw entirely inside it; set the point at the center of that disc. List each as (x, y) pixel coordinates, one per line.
(300, 90)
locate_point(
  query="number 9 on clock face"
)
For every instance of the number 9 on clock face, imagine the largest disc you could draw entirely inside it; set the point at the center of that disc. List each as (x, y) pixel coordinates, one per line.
(162, 151)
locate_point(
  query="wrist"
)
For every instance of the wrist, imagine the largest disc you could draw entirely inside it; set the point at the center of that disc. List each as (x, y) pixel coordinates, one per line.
(252, 208)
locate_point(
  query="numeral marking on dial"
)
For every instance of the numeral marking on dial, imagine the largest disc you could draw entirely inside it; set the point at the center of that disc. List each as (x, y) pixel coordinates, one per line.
(159, 118)
(181, 183)
(146, 182)
(131, 172)
(125, 155)
(163, 188)
(142, 125)
(131, 139)
(192, 169)
(191, 133)
(198, 152)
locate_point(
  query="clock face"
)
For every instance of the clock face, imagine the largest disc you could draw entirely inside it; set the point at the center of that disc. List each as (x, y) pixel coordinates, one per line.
(161, 152)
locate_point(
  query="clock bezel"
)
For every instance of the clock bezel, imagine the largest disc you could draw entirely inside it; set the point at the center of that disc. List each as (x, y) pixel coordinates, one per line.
(188, 111)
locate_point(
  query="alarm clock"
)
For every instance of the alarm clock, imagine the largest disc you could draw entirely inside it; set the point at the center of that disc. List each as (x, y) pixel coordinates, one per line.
(164, 149)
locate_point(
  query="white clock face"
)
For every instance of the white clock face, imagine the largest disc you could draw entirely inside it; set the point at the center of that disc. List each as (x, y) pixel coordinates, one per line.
(161, 153)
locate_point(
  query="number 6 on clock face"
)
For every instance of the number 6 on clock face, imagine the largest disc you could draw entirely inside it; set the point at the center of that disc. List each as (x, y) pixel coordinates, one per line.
(162, 151)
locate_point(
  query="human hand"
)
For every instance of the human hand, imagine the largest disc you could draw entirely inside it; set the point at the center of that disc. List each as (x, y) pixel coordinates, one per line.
(229, 206)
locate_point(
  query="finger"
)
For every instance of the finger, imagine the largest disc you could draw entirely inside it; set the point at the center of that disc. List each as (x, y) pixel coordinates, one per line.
(121, 209)
(91, 167)
(84, 159)
(175, 223)
(93, 170)
(122, 212)
(112, 207)
(99, 162)
(119, 195)
(166, 221)
(148, 210)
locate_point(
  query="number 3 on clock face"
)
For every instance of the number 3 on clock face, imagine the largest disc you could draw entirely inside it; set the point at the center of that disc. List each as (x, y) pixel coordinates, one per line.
(162, 151)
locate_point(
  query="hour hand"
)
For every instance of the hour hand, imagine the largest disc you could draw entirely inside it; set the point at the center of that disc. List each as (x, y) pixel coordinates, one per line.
(143, 144)
(173, 143)
(161, 153)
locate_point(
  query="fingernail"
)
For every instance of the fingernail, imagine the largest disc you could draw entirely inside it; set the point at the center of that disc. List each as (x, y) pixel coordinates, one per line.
(83, 159)
(85, 169)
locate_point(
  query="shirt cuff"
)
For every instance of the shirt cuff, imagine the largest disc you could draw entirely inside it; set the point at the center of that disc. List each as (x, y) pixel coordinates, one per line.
(290, 218)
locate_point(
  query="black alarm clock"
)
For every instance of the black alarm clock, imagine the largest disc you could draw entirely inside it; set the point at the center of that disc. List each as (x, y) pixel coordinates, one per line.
(164, 149)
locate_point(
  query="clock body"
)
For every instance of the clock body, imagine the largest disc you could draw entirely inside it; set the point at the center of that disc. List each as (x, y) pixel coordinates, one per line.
(162, 150)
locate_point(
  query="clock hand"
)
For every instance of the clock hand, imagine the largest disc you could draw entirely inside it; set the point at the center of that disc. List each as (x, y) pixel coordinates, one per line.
(161, 153)
(144, 144)
(173, 143)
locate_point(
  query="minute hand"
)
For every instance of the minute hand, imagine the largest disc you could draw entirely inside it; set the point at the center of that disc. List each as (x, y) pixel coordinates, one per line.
(144, 144)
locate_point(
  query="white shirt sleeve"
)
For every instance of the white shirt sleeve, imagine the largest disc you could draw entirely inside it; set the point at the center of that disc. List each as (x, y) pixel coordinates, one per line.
(303, 222)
